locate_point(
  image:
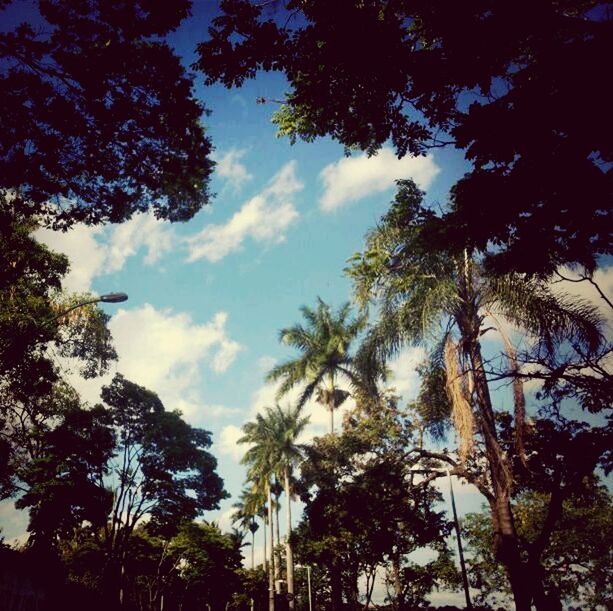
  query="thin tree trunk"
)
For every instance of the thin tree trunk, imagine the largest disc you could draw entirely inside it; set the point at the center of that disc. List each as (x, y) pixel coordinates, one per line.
(265, 563)
(252, 550)
(397, 582)
(506, 544)
(271, 571)
(370, 584)
(332, 419)
(289, 558)
(458, 532)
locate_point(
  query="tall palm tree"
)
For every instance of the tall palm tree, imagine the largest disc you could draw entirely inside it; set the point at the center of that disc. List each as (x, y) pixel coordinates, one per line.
(287, 426)
(245, 512)
(275, 452)
(261, 469)
(430, 297)
(323, 343)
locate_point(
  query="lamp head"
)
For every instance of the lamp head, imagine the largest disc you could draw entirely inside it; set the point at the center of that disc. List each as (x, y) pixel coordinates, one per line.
(113, 297)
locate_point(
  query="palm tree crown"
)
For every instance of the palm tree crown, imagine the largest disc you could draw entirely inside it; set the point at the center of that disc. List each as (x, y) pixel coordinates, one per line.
(324, 343)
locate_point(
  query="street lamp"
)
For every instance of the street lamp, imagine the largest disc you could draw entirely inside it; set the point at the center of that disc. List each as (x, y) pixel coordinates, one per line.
(107, 298)
(308, 569)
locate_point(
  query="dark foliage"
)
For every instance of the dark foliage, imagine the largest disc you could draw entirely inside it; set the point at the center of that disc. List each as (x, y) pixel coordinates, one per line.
(98, 118)
(517, 86)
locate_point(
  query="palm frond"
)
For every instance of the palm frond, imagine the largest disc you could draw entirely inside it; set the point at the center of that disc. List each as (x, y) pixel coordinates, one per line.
(552, 318)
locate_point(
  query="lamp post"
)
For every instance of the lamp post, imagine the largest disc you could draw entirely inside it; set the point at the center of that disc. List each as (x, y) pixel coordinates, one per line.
(308, 570)
(107, 298)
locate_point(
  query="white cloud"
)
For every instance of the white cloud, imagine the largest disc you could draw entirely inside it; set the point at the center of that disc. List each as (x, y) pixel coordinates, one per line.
(353, 178)
(263, 218)
(229, 167)
(96, 251)
(13, 523)
(224, 521)
(404, 378)
(141, 231)
(165, 351)
(86, 254)
(227, 444)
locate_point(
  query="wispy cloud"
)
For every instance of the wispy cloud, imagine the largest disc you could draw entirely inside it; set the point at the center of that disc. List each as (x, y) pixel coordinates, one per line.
(353, 178)
(230, 167)
(97, 251)
(264, 218)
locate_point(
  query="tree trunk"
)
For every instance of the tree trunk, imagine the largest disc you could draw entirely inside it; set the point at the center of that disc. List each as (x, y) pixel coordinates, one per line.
(398, 602)
(252, 550)
(289, 557)
(265, 563)
(336, 586)
(506, 543)
(271, 571)
(331, 408)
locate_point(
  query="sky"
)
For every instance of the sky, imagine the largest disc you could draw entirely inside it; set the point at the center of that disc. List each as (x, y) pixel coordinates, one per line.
(207, 298)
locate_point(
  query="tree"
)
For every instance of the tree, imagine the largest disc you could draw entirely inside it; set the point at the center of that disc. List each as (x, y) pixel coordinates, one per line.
(62, 481)
(211, 561)
(286, 427)
(33, 334)
(99, 121)
(577, 559)
(275, 452)
(246, 510)
(365, 509)
(426, 296)
(261, 469)
(161, 469)
(324, 345)
(511, 84)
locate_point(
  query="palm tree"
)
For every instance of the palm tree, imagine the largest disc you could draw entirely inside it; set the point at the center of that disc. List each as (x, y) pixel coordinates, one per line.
(323, 344)
(430, 297)
(245, 512)
(275, 452)
(287, 426)
(261, 469)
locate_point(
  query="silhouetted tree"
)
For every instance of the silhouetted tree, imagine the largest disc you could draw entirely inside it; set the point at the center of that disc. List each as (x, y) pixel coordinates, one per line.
(98, 117)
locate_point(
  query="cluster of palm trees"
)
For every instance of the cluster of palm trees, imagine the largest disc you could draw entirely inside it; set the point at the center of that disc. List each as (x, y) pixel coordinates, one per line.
(323, 343)
(273, 454)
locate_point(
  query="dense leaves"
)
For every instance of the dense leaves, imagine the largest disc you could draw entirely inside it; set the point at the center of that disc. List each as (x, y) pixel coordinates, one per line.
(98, 118)
(365, 510)
(577, 553)
(34, 332)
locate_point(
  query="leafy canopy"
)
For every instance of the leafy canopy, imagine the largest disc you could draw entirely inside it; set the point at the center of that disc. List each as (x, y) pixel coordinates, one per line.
(515, 85)
(98, 117)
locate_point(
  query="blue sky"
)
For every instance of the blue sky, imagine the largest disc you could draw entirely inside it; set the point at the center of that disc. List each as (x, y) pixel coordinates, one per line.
(207, 298)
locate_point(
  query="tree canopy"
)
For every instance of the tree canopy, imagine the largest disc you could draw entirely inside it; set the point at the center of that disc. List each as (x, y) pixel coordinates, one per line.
(98, 117)
(517, 86)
